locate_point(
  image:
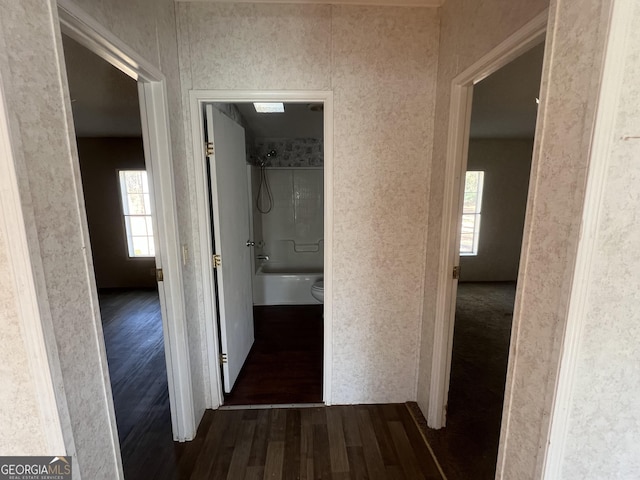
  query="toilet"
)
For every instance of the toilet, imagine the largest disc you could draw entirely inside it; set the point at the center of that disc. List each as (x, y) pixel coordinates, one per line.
(317, 290)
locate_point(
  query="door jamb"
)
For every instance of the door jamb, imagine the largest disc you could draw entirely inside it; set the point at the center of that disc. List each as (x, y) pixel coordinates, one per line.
(457, 148)
(158, 160)
(197, 99)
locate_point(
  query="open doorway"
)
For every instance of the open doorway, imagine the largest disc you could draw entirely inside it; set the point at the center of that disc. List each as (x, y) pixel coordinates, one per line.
(266, 162)
(118, 202)
(494, 193)
(249, 171)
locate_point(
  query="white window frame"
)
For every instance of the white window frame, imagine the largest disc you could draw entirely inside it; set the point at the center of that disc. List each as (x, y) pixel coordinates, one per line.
(126, 215)
(477, 213)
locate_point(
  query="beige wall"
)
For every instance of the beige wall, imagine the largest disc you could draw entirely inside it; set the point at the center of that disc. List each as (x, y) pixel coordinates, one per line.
(23, 429)
(49, 185)
(380, 63)
(506, 164)
(100, 161)
(603, 425)
(571, 75)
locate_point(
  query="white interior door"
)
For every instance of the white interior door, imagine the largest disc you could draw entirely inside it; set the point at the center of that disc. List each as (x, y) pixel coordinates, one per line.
(230, 207)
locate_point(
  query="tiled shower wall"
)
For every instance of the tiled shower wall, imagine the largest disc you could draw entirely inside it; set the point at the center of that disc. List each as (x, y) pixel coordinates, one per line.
(293, 230)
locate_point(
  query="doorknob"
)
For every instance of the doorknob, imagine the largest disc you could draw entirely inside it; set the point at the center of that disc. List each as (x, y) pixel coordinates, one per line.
(250, 243)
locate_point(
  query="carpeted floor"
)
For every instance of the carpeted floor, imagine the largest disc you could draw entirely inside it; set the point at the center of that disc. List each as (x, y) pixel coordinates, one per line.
(467, 447)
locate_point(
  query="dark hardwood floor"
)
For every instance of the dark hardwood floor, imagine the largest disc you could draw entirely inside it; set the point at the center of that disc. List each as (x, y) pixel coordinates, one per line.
(467, 447)
(285, 362)
(132, 328)
(337, 442)
(340, 442)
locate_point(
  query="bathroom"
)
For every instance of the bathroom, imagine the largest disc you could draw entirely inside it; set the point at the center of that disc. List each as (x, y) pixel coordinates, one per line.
(284, 163)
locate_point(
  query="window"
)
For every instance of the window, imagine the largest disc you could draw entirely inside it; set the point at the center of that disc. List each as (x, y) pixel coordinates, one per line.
(136, 208)
(471, 213)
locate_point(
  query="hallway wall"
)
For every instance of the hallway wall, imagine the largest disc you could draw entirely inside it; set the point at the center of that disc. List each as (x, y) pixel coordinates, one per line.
(380, 63)
(49, 184)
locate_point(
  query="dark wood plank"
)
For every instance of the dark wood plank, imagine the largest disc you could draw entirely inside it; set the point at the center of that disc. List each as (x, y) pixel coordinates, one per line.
(383, 435)
(337, 444)
(254, 473)
(390, 411)
(285, 362)
(275, 460)
(394, 472)
(427, 464)
(318, 416)
(242, 450)
(321, 457)
(372, 456)
(278, 424)
(351, 430)
(259, 448)
(132, 329)
(212, 447)
(357, 466)
(342, 442)
(306, 445)
(188, 456)
(231, 433)
(292, 446)
(405, 453)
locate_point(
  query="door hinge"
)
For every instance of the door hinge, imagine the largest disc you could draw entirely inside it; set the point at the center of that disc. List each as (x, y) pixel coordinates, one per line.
(223, 358)
(159, 275)
(208, 148)
(217, 261)
(456, 272)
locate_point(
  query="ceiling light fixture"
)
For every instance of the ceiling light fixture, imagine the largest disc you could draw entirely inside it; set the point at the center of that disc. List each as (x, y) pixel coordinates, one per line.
(269, 107)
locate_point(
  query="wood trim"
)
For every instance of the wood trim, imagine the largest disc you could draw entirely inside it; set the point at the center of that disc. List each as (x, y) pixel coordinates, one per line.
(157, 150)
(158, 158)
(205, 253)
(197, 99)
(459, 120)
(603, 139)
(75, 23)
(328, 249)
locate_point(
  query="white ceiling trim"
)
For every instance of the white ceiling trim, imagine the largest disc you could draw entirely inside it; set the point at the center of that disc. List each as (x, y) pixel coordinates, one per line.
(386, 3)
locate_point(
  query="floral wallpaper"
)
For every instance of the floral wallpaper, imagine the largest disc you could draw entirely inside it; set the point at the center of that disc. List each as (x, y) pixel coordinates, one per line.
(290, 152)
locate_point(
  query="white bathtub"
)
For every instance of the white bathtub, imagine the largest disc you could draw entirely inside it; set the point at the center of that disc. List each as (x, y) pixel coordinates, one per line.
(275, 284)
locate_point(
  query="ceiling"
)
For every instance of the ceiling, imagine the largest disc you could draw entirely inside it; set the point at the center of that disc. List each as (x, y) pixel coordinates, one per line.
(504, 104)
(104, 100)
(297, 121)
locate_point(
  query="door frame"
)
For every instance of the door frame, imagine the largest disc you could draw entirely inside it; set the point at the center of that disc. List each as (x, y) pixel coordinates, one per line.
(152, 92)
(197, 100)
(462, 85)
